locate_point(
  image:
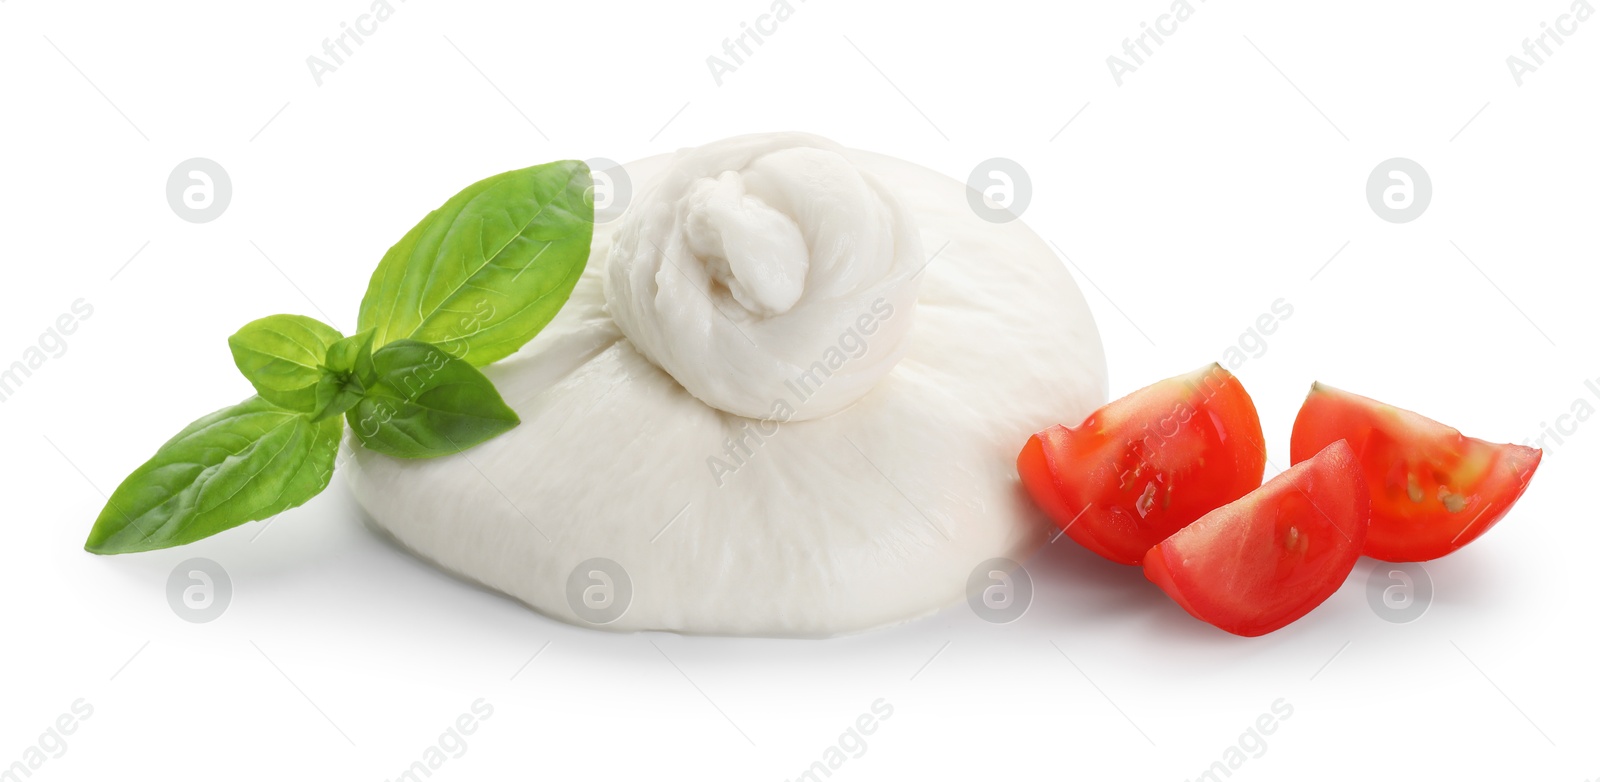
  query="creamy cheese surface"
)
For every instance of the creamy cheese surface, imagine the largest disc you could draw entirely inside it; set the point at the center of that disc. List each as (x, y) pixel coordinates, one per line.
(745, 260)
(785, 399)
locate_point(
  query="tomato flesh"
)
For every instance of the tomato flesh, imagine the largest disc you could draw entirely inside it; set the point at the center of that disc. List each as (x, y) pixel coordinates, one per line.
(1434, 490)
(1144, 466)
(1254, 565)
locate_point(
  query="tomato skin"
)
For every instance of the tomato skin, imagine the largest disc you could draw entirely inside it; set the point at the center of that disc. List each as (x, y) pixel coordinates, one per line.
(1434, 490)
(1259, 563)
(1144, 466)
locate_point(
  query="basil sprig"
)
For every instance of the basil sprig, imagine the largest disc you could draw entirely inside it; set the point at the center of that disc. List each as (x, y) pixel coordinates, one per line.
(426, 403)
(470, 284)
(347, 373)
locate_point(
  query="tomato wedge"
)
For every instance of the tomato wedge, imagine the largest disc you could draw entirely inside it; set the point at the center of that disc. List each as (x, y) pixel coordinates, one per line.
(1259, 563)
(1433, 489)
(1146, 465)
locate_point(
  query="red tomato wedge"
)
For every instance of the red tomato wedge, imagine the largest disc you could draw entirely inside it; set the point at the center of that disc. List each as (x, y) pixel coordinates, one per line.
(1146, 465)
(1433, 489)
(1259, 563)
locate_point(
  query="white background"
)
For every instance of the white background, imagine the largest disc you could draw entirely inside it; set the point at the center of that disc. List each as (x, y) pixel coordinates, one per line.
(1221, 175)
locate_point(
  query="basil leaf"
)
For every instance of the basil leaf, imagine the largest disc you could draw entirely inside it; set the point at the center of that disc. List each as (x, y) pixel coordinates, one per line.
(282, 355)
(353, 355)
(427, 403)
(482, 274)
(336, 393)
(346, 373)
(242, 463)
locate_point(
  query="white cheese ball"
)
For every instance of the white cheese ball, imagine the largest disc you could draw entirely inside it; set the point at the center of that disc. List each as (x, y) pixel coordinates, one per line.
(741, 267)
(765, 411)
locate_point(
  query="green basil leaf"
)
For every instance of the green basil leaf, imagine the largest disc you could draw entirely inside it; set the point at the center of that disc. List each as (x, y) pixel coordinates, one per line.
(336, 393)
(282, 355)
(482, 274)
(242, 463)
(353, 355)
(427, 403)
